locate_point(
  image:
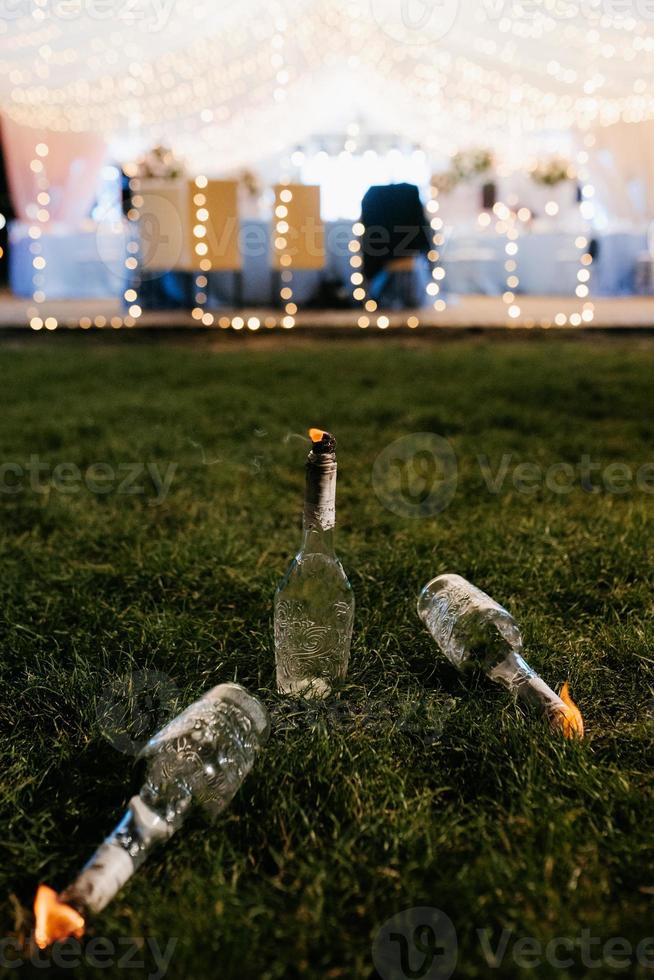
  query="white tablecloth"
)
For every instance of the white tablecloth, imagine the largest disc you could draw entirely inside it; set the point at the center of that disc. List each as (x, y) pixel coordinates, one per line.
(90, 263)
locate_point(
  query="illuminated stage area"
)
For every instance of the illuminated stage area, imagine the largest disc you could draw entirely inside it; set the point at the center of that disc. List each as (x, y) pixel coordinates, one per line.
(147, 161)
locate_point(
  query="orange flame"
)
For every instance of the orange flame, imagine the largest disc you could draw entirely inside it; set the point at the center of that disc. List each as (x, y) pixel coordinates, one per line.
(54, 919)
(570, 720)
(316, 435)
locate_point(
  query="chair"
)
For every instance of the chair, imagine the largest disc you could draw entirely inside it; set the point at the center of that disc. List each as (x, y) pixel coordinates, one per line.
(396, 232)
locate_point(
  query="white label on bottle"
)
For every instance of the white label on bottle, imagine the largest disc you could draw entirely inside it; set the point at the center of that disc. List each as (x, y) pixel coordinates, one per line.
(320, 500)
(105, 874)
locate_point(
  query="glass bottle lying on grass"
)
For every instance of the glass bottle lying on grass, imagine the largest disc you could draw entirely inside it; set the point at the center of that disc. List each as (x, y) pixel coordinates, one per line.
(471, 629)
(202, 756)
(314, 602)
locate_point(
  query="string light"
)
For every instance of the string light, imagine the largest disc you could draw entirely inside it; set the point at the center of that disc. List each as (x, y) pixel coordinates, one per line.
(359, 293)
(278, 43)
(507, 226)
(582, 244)
(587, 212)
(133, 259)
(3, 222)
(285, 258)
(39, 211)
(201, 251)
(438, 240)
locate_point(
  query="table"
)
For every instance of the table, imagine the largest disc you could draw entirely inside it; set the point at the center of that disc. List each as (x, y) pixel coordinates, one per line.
(89, 262)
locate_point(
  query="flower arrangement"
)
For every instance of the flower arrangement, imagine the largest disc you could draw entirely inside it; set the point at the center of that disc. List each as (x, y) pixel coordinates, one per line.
(555, 170)
(160, 163)
(467, 164)
(464, 166)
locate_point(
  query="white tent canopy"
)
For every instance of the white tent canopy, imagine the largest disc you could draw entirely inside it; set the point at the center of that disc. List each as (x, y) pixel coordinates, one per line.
(238, 81)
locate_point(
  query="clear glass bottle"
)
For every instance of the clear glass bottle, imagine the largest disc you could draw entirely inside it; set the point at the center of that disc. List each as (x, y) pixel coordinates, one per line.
(202, 756)
(473, 630)
(314, 602)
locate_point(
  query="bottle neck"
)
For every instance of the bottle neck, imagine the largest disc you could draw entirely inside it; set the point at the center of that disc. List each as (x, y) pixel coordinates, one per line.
(319, 504)
(317, 542)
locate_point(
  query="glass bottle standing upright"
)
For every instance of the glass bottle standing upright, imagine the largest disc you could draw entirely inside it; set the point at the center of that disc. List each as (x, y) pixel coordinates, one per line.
(314, 602)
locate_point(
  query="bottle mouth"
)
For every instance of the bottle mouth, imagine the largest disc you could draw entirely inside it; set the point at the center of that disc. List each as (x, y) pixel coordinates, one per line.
(425, 595)
(249, 705)
(322, 443)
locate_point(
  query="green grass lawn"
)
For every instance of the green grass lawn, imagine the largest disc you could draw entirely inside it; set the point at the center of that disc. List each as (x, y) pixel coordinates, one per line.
(415, 787)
